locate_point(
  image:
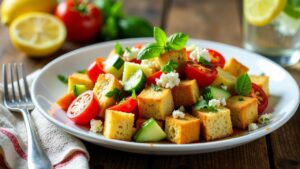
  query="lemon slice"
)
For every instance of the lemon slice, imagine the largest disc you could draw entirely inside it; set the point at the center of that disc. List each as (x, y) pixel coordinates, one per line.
(37, 34)
(262, 12)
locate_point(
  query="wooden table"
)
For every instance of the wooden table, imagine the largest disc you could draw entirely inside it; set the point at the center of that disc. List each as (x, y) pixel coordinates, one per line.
(204, 19)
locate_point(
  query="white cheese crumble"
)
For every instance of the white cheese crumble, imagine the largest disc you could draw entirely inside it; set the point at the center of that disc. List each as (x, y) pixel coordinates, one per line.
(265, 118)
(178, 113)
(200, 52)
(168, 80)
(132, 54)
(223, 87)
(96, 126)
(252, 127)
(149, 63)
(217, 102)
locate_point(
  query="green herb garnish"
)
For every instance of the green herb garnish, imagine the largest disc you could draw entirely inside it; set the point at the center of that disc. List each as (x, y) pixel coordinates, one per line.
(243, 85)
(128, 49)
(118, 49)
(203, 105)
(115, 93)
(155, 88)
(204, 61)
(62, 78)
(169, 67)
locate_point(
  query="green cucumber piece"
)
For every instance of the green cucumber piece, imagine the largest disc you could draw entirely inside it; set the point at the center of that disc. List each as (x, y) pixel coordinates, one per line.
(149, 132)
(114, 65)
(136, 82)
(130, 68)
(211, 92)
(78, 89)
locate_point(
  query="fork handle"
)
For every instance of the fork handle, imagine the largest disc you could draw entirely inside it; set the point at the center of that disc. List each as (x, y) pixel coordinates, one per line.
(37, 159)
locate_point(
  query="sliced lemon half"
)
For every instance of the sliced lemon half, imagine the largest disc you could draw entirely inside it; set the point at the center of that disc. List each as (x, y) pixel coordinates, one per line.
(37, 34)
(262, 12)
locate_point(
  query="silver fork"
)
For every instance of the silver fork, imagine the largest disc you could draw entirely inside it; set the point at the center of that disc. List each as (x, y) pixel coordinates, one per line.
(18, 100)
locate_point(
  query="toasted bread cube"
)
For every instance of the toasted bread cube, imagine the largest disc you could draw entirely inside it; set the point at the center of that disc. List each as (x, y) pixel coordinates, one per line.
(179, 56)
(79, 78)
(104, 84)
(235, 67)
(261, 81)
(224, 78)
(215, 125)
(183, 130)
(243, 111)
(118, 125)
(186, 93)
(156, 104)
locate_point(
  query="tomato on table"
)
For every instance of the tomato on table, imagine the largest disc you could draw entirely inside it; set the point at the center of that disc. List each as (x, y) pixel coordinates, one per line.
(82, 19)
(204, 75)
(84, 108)
(152, 78)
(261, 96)
(96, 68)
(127, 106)
(217, 59)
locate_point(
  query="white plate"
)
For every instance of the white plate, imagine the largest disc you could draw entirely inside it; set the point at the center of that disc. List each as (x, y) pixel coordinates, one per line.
(47, 89)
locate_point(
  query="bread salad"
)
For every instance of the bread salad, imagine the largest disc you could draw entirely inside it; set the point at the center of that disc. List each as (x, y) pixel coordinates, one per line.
(165, 91)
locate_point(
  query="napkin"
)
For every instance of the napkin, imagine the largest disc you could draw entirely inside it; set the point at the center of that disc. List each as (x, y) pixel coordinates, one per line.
(63, 150)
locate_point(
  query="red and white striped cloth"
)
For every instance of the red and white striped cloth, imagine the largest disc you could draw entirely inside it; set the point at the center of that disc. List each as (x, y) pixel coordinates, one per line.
(63, 150)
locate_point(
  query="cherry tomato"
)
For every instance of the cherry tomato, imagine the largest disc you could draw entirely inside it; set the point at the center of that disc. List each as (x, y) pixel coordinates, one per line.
(261, 96)
(82, 19)
(204, 75)
(84, 108)
(152, 78)
(95, 69)
(217, 59)
(127, 106)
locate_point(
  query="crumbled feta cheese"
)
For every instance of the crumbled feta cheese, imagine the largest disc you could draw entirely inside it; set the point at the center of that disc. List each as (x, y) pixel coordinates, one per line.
(168, 80)
(265, 118)
(200, 52)
(178, 114)
(214, 103)
(96, 126)
(181, 108)
(223, 87)
(223, 101)
(132, 54)
(149, 63)
(252, 127)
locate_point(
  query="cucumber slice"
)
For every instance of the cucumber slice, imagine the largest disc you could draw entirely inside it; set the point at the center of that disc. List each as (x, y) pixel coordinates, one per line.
(211, 92)
(150, 131)
(78, 89)
(131, 68)
(114, 65)
(136, 82)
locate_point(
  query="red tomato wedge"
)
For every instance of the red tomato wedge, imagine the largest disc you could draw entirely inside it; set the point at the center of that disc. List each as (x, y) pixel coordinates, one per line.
(95, 69)
(134, 61)
(152, 78)
(127, 106)
(261, 96)
(204, 75)
(84, 108)
(217, 59)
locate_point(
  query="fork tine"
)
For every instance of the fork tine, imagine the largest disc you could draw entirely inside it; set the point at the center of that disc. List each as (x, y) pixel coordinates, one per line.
(4, 80)
(18, 81)
(12, 83)
(27, 93)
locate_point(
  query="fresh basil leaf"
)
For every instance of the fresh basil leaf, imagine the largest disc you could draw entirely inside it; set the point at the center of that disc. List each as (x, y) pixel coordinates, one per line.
(62, 78)
(177, 41)
(169, 67)
(155, 88)
(128, 49)
(243, 85)
(204, 62)
(152, 50)
(118, 49)
(160, 36)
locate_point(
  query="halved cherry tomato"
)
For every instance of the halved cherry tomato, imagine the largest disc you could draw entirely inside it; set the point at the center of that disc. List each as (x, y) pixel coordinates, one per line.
(217, 59)
(95, 69)
(127, 106)
(204, 75)
(152, 78)
(261, 96)
(84, 108)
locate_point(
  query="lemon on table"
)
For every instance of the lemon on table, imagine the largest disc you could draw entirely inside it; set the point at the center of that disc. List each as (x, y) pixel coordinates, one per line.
(37, 34)
(262, 12)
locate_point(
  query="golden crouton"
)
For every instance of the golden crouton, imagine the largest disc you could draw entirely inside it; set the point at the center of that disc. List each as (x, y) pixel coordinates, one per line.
(215, 125)
(156, 104)
(243, 110)
(106, 83)
(183, 130)
(79, 78)
(118, 125)
(261, 81)
(235, 67)
(224, 78)
(186, 93)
